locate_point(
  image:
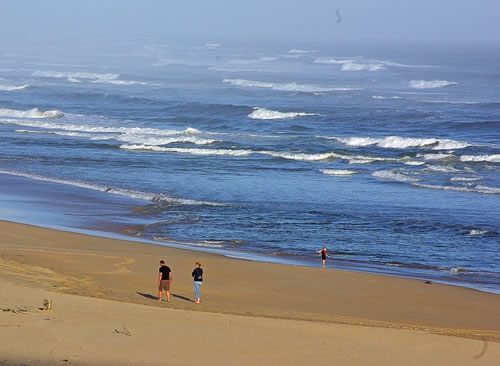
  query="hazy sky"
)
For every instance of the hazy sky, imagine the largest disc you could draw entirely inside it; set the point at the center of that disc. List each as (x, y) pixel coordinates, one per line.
(300, 21)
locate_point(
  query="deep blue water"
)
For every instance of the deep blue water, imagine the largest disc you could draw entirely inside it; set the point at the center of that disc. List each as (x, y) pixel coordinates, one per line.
(389, 159)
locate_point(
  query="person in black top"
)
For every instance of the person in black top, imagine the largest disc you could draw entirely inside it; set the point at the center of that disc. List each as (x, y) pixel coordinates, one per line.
(165, 278)
(198, 281)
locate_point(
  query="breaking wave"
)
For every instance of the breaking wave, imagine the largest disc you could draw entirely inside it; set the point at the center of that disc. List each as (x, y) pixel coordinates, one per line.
(477, 189)
(4, 87)
(481, 158)
(300, 156)
(301, 52)
(146, 196)
(304, 88)
(333, 61)
(99, 129)
(350, 64)
(123, 82)
(193, 151)
(381, 97)
(430, 84)
(78, 75)
(152, 141)
(481, 232)
(393, 175)
(337, 172)
(264, 113)
(354, 66)
(32, 113)
(396, 142)
(465, 179)
(93, 77)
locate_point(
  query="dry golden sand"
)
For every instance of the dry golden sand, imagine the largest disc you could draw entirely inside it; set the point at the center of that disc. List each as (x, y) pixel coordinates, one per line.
(251, 312)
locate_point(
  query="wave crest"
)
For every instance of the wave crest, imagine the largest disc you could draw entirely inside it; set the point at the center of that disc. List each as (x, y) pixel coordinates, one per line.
(337, 172)
(354, 66)
(146, 196)
(396, 142)
(393, 175)
(481, 158)
(32, 113)
(192, 151)
(265, 114)
(77, 74)
(430, 84)
(294, 87)
(4, 87)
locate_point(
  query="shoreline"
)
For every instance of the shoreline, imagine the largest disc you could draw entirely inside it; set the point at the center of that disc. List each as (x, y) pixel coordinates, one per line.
(122, 204)
(243, 256)
(114, 269)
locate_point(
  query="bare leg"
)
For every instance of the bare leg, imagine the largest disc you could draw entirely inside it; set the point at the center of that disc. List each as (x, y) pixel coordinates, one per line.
(168, 296)
(324, 263)
(159, 295)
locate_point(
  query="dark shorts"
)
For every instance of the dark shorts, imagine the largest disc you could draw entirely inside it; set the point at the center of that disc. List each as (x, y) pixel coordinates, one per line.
(164, 285)
(323, 257)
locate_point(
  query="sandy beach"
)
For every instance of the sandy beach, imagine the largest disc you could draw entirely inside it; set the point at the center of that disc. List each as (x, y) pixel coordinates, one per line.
(273, 314)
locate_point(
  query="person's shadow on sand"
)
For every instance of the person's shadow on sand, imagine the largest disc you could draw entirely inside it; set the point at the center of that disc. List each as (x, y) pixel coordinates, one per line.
(153, 297)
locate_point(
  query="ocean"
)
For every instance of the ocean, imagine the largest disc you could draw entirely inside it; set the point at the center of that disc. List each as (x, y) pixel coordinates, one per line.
(389, 158)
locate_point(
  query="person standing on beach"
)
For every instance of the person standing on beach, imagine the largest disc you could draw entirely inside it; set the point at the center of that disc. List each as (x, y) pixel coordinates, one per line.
(198, 281)
(165, 277)
(324, 255)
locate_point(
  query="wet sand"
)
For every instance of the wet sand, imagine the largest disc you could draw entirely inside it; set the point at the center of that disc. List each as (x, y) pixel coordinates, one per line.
(269, 313)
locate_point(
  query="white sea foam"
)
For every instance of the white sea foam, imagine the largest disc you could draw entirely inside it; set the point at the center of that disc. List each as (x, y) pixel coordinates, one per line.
(465, 179)
(79, 75)
(476, 189)
(146, 196)
(294, 87)
(413, 162)
(333, 61)
(300, 156)
(193, 151)
(396, 142)
(478, 232)
(204, 244)
(158, 141)
(430, 84)
(31, 113)
(356, 66)
(457, 270)
(123, 82)
(393, 175)
(212, 45)
(361, 161)
(146, 139)
(481, 158)
(381, 97)
(74, 80)
(350, 64)
(264, 113)
(98, 129)
(338, 172)
(4, 87)
(301, 52)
